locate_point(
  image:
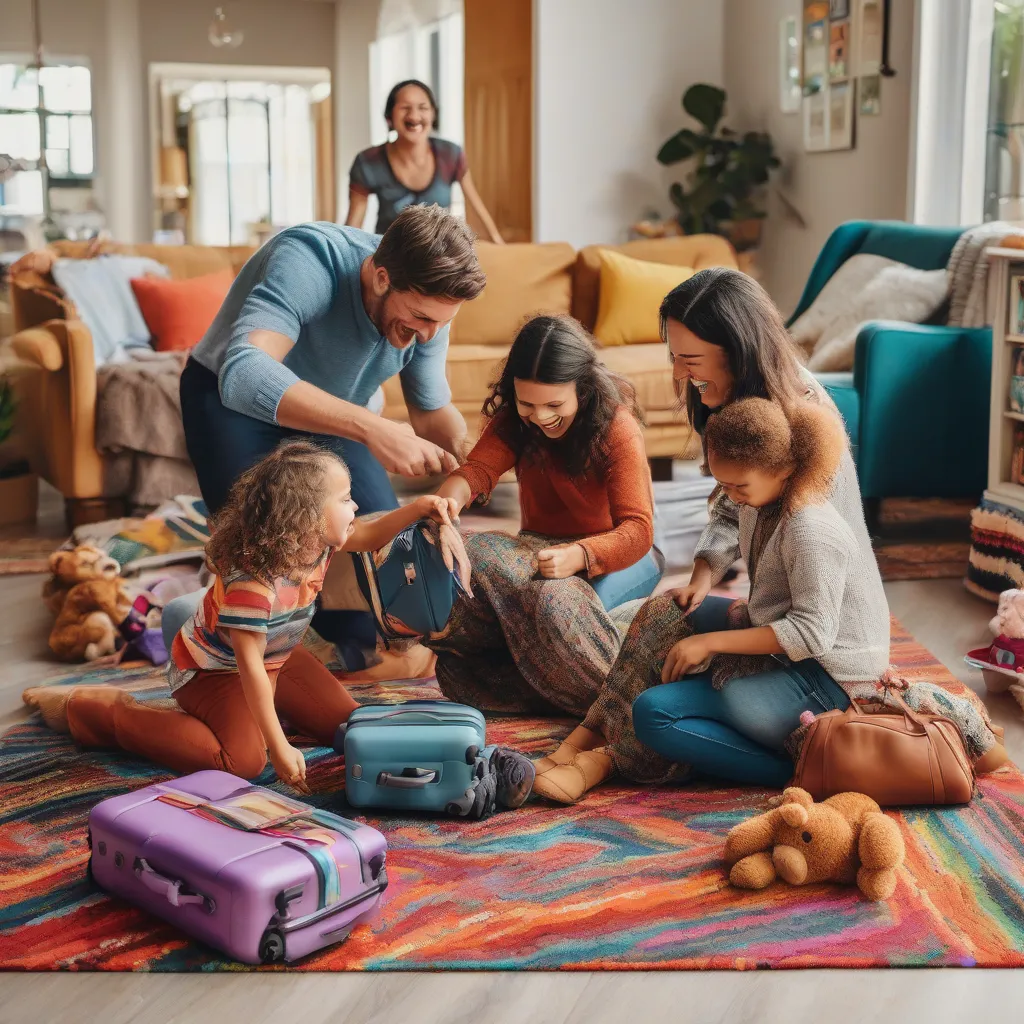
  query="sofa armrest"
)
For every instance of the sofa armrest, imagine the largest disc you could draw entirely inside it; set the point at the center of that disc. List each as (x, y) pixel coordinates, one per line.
(924, 409)
(59, 408)
(39, 347)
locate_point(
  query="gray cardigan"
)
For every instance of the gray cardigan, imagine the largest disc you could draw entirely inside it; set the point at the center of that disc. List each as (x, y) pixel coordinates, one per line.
(818, 585)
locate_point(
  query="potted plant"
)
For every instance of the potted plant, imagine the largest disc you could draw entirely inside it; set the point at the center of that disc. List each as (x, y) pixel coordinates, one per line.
(724, 192)
(19, 486)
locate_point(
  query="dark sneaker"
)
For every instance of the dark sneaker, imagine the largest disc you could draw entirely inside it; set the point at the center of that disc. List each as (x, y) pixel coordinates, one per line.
(514, 773)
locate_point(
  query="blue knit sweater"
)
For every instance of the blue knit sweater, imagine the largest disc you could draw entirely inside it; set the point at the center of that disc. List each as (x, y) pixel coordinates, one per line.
(304, 283)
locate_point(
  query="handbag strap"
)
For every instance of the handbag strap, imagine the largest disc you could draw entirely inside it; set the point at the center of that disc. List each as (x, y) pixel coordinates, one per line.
(907, 710)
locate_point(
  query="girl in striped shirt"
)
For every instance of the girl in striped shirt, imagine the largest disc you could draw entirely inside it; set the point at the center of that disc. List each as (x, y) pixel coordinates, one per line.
(239, 660)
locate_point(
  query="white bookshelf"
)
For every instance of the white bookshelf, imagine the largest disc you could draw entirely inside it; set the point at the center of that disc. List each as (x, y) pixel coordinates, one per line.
(1004, 264)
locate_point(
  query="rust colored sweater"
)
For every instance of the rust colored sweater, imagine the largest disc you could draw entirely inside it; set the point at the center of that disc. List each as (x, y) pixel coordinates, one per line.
(610, 514)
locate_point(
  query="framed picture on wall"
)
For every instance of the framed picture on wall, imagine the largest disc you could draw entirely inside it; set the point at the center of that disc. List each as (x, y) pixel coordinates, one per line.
(868, 49)
(828, 87)
(838, 50)
(840, 116)
(815, 123)
(869, 88)
(789, 65)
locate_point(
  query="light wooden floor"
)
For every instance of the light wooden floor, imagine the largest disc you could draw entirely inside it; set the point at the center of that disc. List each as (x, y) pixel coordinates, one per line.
(939, 613)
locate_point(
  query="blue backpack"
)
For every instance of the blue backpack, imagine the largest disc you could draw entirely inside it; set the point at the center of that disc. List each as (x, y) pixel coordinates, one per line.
(410, 590)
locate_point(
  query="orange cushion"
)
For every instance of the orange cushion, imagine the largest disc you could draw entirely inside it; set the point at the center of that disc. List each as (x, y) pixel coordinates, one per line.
(178, 313)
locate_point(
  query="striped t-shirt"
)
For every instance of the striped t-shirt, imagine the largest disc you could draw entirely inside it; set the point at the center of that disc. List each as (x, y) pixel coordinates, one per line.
(238, 601)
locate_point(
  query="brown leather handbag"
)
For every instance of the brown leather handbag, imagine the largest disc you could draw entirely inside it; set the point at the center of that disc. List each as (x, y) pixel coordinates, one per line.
(899, 759)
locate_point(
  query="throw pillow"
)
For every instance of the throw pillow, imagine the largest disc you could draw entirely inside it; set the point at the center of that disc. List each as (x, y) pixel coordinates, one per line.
(864, 288)
(102, 296)
(631, 294)
(179, 313)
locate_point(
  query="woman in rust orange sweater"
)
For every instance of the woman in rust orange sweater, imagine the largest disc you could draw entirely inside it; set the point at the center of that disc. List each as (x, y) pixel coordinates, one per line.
(540, 630)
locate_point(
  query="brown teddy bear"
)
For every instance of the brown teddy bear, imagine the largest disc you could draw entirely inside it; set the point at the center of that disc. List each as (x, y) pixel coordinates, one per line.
(71, 567)
(845, 838)
(86, 628)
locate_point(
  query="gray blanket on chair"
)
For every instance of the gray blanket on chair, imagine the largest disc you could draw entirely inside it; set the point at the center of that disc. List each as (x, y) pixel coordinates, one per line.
(139, 431)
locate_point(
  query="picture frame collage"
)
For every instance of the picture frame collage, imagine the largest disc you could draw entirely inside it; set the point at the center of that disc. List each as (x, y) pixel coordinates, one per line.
(830, 62)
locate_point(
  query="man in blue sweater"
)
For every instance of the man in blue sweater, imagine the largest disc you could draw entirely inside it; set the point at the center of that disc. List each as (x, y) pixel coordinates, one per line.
(314, 324)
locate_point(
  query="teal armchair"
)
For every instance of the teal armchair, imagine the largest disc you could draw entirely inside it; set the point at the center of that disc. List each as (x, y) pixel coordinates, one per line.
(916, 405)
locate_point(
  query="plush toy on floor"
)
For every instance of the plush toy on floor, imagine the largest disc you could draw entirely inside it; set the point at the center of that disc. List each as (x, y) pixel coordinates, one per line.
(845, 839)
(90, 601)
(1002, 662)
(72, 566)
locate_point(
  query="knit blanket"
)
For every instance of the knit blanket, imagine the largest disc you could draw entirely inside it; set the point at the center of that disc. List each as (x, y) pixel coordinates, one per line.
(968, 272)
(139, 430)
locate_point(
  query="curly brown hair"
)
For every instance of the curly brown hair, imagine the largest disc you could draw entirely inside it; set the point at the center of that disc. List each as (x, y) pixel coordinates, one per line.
(271, 526)
(554, 349)
(806, 437)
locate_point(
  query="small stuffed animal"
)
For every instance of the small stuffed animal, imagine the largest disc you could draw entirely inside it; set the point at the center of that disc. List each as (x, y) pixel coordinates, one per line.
(69, 568)
(86, 628)
(845, 839)
(1007, 626)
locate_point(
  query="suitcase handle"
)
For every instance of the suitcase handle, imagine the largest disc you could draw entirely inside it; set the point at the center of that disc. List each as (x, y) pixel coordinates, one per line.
(411, 778)
(170, 887)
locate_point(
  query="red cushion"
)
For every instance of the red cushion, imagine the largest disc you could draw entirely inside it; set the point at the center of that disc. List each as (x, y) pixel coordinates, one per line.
(178, 313)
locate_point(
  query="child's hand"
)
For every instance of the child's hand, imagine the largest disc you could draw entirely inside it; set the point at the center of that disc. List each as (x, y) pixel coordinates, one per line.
(444, 511)
(690, 597)
(684, 656)
(560, 562)
(290, 766)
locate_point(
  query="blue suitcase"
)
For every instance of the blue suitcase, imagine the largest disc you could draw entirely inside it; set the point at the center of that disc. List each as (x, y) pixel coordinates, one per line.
(422, 755)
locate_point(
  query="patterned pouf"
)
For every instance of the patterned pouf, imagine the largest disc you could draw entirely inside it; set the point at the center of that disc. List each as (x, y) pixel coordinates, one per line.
(996, 561)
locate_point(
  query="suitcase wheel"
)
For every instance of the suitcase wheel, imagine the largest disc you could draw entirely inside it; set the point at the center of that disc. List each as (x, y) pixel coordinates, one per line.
(271, 947)
(89, 877)
(472, 753)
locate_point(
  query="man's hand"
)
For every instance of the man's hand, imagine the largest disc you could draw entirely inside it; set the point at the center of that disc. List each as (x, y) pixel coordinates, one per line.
(558, 563)
(290, 766)
(685, 656)
(399, 450)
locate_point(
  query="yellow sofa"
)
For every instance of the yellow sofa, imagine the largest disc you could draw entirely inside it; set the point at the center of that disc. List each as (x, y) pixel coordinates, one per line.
(58, 397)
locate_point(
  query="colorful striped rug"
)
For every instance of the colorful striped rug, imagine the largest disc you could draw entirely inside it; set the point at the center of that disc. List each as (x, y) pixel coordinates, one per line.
(628, 879)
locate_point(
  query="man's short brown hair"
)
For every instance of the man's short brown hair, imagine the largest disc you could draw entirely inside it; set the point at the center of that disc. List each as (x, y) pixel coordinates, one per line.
(429, 251)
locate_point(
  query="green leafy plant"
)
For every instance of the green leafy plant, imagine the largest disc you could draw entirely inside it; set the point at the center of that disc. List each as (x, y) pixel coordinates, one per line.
(725, 185)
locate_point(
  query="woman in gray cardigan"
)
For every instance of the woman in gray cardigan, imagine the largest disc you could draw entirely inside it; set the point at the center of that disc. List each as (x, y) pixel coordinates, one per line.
(817, 625)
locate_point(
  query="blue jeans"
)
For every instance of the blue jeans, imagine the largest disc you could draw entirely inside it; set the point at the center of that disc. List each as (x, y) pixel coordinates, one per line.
(637, 581)
(737, 733)
(223, 444)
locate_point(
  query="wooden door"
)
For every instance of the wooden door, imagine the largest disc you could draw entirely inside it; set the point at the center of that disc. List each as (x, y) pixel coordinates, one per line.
(499, 111)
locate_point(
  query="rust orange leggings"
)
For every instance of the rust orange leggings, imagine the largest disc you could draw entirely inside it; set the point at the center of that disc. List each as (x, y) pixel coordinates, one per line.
(214, 727)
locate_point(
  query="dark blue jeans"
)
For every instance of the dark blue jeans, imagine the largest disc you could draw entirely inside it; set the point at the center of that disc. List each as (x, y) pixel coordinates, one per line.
(223, 444)
(739, 732)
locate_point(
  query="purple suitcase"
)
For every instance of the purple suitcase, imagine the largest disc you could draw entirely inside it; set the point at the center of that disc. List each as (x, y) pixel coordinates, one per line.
(255, 874)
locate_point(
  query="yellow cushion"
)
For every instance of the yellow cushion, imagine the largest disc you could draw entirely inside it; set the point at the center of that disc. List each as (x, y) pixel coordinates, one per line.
(631, 294)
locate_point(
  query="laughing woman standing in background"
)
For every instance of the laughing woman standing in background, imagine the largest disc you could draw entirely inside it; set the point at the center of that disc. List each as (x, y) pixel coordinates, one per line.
(415, 168)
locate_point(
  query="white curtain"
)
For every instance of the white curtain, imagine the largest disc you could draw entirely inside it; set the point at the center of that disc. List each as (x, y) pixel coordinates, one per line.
(949, 103)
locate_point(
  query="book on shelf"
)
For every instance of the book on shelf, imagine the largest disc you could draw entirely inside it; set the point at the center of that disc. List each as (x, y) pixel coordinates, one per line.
(1016, 324)
(1017, 456)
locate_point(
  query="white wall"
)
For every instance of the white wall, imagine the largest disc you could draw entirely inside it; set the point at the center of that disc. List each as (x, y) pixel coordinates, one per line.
(868, 182)
(354, 29)
(608, 80)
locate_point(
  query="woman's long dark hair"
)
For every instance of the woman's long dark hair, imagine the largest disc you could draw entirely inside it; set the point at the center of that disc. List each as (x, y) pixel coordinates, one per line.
(557, 350)
(731, 310)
